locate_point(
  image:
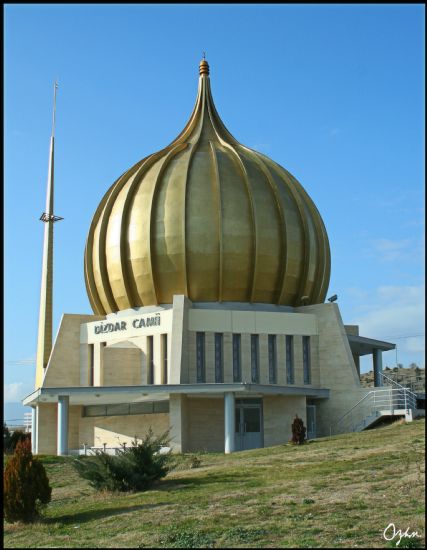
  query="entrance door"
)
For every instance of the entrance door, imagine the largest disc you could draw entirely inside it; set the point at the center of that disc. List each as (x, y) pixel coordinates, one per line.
(311, 421)
(248, 425)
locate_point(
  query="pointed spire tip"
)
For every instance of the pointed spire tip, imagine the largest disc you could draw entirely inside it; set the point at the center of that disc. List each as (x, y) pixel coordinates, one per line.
(204, 66)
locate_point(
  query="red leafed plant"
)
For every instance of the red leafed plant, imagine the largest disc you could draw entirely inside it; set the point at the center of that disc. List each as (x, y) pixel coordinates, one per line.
(26, 486)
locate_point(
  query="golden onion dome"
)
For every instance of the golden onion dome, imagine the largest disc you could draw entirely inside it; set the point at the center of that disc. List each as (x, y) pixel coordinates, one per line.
(209, 218)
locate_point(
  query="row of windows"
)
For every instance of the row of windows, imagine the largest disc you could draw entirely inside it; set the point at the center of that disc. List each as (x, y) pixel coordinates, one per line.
(147, 407)
(237, 360)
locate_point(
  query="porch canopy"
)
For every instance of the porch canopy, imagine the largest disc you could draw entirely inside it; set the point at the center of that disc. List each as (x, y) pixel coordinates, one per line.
(360, 345)
(110, 395)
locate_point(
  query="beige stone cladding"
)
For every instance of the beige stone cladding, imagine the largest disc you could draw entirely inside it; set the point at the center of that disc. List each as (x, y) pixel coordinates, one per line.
(353, 330)
(178, 422)
(192, 365)
(122, 365)
(63, 369)
(179, 352)
(278, 413)
(210, 357)
(206, 424)
(338, 371)
(228, 357)
(47, 421)
(74, 416)
(116, 430)
(47, 427)
(246, 323)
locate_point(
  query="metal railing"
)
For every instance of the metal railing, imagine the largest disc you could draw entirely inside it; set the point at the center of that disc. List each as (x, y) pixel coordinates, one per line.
(87, 450)
(381, 401)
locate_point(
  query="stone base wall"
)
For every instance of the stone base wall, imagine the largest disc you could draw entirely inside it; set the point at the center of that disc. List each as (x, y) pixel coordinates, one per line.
(279, 413)
(115, 430)
(47, 419)
(205, 425)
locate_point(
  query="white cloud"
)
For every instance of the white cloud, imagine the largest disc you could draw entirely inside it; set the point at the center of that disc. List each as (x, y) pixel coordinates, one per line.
(389, 251)
(16, 391)
(22, 362)
(395, 314)
(399, 250)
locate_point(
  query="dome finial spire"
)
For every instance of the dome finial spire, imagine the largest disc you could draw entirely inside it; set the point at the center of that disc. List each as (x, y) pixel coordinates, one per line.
(203, 66)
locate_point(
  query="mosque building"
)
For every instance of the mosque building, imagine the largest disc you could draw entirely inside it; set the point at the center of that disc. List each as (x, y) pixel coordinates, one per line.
(207, 267)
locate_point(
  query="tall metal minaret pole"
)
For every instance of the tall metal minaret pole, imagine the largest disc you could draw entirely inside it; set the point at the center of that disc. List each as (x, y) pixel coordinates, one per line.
(44, 339)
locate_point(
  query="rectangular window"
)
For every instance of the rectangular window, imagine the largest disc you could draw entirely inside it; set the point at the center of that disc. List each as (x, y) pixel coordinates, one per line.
(237, 368)
(165, 358)
(200, 356)
(146, 407)
(160, 407)
(219, 370)
(91, 365)
(150, 360)
(290, 378)
(124, 409)
(272, 358)
(95, 410)
(306, 359)
(118, 410)
(255, 358)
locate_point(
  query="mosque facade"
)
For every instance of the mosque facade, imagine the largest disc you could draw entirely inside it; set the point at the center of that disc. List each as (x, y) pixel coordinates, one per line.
(207, 267)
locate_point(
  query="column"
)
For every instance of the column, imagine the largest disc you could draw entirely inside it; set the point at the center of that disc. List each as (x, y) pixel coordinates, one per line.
(178, 422)
(229, 422)
(62, 436)
(34, 430)
(378, 367)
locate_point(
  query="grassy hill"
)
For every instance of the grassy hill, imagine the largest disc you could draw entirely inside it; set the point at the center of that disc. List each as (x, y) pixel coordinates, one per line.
(340, 492)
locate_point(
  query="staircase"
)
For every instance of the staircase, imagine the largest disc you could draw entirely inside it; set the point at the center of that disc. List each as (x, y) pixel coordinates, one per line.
(392, 401)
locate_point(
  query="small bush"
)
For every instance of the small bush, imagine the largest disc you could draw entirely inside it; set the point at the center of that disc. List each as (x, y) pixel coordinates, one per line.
(298, 431)
(244, 534)
(195, 461)
(185, 537)
(134, 468)
(10, 440)
(26, 486)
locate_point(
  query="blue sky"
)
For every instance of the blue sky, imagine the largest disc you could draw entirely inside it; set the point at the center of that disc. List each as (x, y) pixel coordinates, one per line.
(334, 93)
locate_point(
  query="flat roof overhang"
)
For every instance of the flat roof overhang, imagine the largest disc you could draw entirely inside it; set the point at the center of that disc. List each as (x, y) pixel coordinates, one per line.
(110, 395)
(360, 345)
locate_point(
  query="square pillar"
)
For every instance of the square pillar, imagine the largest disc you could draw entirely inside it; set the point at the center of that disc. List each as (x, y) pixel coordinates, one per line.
(229, 422)
(62, 435)
(34, 422)
(378, 367)
(178, 422)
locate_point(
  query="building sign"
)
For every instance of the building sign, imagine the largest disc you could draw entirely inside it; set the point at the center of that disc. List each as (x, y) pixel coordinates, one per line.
(139, 322)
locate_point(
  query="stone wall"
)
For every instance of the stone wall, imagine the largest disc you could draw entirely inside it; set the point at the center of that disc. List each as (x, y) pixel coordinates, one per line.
(279, 412)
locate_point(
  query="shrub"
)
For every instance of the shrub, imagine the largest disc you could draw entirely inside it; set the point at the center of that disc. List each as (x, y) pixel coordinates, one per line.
(26, 486)
(178, 536)
(10, 440)
(298, 431)
(134, 468)
(195, 461)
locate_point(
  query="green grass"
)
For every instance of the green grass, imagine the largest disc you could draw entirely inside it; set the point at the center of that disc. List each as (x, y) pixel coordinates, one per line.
(333, 492)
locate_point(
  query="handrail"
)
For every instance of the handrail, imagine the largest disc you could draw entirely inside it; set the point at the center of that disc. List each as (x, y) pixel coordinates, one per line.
(381, 399)
(397, 383)
(354, 406)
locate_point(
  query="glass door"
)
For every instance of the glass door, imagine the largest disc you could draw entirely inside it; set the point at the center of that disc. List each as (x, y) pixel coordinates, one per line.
(248, 425)
(311, 421)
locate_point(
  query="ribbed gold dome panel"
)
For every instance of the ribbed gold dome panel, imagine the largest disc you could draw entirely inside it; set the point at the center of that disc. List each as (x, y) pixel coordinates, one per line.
(209, 218)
